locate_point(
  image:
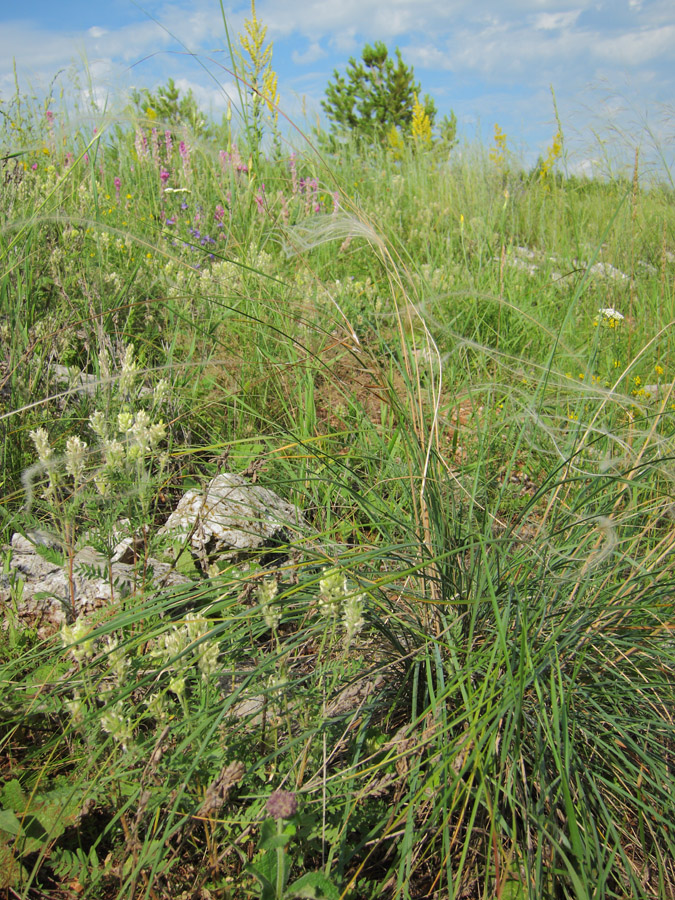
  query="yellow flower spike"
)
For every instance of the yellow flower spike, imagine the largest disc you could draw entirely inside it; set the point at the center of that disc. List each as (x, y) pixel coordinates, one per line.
(421, 124)
(497, 152)
(658, 369)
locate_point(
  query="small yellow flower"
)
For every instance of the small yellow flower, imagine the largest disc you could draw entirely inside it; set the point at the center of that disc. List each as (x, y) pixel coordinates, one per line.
(637, 381)
(658, 369)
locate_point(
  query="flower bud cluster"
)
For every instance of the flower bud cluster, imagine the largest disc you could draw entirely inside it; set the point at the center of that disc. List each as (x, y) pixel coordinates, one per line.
(117, 724)
(178, 649)
(122, 443)
(206, 651)
(335, 598)
(73, 637)
(267, 592)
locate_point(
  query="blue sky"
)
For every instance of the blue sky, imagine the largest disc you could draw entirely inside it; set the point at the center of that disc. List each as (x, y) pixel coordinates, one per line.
(611, 62)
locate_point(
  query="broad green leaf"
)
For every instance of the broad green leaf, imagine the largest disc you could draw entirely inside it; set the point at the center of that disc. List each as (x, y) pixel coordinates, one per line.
(313, 886)
(9, 822)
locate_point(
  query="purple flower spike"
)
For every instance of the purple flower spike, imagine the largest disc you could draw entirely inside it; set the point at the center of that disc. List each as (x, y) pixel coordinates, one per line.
(282, 805)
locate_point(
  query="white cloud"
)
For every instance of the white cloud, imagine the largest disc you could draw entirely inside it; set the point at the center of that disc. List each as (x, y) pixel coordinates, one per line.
(213, 98)
(311, 54)
(96, 32)
(637, 48)
(554, 21)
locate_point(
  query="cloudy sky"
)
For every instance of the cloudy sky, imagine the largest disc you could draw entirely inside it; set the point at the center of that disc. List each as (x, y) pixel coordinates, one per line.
(611, 63)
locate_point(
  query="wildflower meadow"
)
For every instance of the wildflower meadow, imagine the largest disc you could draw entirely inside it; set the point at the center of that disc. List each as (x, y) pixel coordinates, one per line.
(450, 671)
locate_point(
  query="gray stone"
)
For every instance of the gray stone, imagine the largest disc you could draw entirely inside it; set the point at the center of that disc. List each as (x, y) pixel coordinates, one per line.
(38, 587)
(233, 518)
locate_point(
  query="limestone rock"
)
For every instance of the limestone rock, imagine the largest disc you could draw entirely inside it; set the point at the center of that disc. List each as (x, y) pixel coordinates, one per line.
(233, 518)
(41, 587)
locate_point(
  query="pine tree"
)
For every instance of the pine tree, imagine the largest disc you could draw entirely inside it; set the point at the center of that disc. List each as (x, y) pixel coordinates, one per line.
(375, 94)
(169, 108)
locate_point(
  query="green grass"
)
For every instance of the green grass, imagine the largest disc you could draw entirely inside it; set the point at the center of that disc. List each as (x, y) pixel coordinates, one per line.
(485, 458)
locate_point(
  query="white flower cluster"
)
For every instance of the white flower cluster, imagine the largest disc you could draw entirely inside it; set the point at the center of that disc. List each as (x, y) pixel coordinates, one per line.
(117, 724)
(611, 314)
(75, 458)
(335, 597)
(117, 658)
(74, 638)
(178, 648)
(206, 651)
(132, 437)
(266, 594)
(41, 440)
(129, 370)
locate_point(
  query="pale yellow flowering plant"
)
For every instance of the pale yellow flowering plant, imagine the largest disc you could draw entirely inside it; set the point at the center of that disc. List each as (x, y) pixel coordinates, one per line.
(116, 472)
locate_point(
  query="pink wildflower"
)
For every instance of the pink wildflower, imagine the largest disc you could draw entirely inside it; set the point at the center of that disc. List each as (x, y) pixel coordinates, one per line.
(260, 199)
(154, 146)
(294, 174)
(141, 144)
(184, 150)
(282, 805)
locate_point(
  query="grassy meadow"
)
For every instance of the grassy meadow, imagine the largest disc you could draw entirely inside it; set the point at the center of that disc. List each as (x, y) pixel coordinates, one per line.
(458, 680)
